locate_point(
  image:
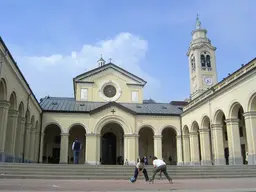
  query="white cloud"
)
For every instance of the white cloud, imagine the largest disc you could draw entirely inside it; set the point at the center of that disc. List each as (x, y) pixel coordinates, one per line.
(52, 75)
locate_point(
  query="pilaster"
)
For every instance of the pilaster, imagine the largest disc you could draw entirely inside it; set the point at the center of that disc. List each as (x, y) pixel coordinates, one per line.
(64, 148)
(20, 139)
(217, 130)
(27, 142)
(234, 146)
(205, 147)
(250, 122)
(186, 149)
(92, 154)
(179, 150)
(130, 148)
(37, 136)
(194, 148)
(41, 148)
(158, 146)
(32, 145)
(4, 106)
(11, 137)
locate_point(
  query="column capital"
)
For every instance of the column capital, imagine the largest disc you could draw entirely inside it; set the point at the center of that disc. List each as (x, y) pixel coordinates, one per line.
(13, 113)
(217, 126)
(22, 120)
(194, 133)
(64, 134)
(92, 134)
(158, 136)
(178, 136)
(232, 121)
(28, 126)
(204, 130)
(131, 135)
(185, 136)
(249, 114)
(4, 104)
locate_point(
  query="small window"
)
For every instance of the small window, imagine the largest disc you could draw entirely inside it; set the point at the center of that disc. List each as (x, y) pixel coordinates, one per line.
(135, 96)
(84, 94)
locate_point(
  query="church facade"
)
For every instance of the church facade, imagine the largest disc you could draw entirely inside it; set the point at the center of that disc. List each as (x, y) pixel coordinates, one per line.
(216, 126)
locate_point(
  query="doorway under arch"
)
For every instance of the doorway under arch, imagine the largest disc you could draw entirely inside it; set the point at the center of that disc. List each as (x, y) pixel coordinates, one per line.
(169, 145)
(51, 148)
(112, 144)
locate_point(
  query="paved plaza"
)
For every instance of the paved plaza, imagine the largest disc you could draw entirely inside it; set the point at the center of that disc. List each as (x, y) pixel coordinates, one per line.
(244, 184)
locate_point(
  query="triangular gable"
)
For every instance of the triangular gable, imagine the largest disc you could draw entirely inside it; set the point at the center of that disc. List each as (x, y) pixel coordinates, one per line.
(95, 71)
(112, 104)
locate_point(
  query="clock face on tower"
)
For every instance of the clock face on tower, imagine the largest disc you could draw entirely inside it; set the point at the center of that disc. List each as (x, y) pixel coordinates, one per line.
(208, 80)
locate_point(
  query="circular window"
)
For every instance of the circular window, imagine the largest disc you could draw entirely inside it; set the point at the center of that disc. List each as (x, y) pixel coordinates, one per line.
(109, 91)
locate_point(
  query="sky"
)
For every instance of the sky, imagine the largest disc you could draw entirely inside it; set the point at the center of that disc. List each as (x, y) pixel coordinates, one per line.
(54, 41)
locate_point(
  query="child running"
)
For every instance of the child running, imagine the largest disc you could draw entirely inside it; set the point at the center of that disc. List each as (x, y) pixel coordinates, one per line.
(159, 165)
(139, 169)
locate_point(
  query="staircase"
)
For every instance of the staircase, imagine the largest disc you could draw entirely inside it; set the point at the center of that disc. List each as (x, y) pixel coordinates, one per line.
(63, 171)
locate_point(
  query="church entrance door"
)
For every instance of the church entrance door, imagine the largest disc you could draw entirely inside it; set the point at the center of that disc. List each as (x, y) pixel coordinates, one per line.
(109, 149)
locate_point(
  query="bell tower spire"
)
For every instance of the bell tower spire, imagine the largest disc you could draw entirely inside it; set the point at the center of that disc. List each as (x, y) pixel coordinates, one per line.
(202, 63)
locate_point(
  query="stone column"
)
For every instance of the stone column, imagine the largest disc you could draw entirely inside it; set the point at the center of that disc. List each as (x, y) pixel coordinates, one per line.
(20, 139)
(179, 150)
(64, 148)
(130, 148)
(250, 126)
(186, 150)
(27, 142)
(41, 148)
(92, 155)
(37, 136)
(205, 147)
(12, 126)
(158, 146)
(218, 146)
(194, 148)
(4, 106)
(235, 157)
(32, 144)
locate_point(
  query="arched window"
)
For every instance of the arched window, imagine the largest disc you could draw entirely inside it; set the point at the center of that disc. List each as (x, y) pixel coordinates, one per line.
(206, 61)
(193, 63)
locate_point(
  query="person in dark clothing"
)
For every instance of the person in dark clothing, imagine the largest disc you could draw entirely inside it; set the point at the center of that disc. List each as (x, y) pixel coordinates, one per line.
(139, 169)
(76, 147)
(159, 165)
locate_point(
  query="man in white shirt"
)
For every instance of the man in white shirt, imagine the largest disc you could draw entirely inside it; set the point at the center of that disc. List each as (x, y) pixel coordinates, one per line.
(159, 165)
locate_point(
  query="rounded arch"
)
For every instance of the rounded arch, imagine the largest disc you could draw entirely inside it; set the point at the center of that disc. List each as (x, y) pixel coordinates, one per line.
(13, 101)
(205, 123)
(251, 106)
(3, 89)
(21, 109)
(78, 124)
(218, 117)
(146, 126)
(169, 127)
(112, 119)
(234, 109)
(51, 123)
(194, 126)
(185, 130)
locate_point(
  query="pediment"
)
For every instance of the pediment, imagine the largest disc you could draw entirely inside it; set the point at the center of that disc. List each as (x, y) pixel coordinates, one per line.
(109, 69)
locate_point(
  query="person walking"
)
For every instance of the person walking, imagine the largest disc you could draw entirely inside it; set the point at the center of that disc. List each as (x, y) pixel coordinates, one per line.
(76, 147)
(159, 165)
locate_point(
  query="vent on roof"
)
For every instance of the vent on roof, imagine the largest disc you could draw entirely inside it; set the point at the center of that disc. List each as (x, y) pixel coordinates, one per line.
(82, 104)
(54, 103)
(164, 107)
(138, 106)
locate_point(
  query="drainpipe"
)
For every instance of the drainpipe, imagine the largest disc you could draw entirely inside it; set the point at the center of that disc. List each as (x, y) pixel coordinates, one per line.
(40, 136)
(24, 136)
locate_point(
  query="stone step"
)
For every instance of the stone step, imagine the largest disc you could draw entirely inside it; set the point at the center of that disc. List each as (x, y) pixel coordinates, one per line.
(96, 177)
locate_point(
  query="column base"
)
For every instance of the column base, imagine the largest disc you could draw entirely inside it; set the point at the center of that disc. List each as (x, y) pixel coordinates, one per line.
(195, 163)
(93, 162)
(206, 162)
(252, 159)
(180, 163)
(131, 163)
(235, 161)
(186, 164)
(220, 161)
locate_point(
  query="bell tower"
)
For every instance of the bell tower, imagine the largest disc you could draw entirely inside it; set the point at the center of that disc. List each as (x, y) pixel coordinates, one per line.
(202, 63)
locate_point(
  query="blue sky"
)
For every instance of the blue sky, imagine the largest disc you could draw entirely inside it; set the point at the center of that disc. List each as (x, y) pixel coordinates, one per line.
(53, 41)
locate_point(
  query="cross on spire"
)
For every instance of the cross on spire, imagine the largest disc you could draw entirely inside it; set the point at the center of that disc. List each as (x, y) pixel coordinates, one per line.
(198, 23)
(110, 59)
